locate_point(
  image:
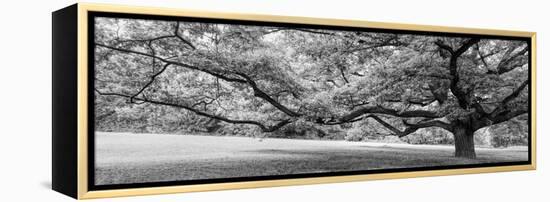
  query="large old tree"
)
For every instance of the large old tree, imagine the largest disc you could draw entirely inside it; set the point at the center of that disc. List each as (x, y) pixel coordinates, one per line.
(268, 78)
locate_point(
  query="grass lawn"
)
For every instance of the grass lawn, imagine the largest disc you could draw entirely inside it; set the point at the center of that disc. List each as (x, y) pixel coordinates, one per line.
(133, 158)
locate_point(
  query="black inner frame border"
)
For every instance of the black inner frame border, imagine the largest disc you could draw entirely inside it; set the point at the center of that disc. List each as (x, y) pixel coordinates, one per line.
(91, 100)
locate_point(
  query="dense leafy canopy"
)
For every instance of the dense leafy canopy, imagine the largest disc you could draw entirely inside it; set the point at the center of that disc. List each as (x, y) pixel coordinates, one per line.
(266, 79)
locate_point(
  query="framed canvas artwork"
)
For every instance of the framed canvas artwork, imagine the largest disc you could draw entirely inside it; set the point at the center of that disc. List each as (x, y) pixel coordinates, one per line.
(158, 100)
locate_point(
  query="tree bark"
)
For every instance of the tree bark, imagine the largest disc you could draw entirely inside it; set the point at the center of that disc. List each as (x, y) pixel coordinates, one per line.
(464, 142)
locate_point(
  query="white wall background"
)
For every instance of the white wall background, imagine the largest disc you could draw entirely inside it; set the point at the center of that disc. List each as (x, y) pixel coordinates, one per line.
(25, 100)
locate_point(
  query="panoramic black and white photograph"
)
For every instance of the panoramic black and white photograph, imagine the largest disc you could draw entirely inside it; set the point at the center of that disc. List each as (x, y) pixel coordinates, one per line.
(184, 100)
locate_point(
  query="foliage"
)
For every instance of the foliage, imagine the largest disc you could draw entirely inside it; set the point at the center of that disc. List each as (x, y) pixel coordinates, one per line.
(165, 76)
(511, 133)
(434, 136)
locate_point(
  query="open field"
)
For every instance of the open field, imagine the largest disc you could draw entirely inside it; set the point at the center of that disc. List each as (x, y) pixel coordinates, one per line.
(133, 158)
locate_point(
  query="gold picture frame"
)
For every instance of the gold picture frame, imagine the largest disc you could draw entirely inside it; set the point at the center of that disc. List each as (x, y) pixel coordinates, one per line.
(77, 186)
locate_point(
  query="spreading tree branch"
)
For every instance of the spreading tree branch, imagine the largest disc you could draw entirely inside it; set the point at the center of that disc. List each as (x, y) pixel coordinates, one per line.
(261, 94)
(500, 109)
(506, 115)
(263, 127)
(510, 63)
(387, 111)
(515, 93)
(218, 75)
(152, 79)
(177, 35)
(481, 56)
(420, 102)
(313, 31)
(150, 40)
(462, 97)
(410, 128)
(247, 80)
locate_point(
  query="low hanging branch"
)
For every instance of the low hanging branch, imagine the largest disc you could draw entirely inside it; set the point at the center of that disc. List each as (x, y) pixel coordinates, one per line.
(387, 111)
(420, 102)
(245, 79)
(410, 128)
(263, 127)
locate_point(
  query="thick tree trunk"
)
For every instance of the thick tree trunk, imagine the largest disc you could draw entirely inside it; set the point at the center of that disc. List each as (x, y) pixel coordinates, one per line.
(464, 143)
